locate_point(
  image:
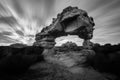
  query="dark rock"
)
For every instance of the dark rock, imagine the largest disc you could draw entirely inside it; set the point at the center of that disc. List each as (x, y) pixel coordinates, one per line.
(15, 60)
(71, 21)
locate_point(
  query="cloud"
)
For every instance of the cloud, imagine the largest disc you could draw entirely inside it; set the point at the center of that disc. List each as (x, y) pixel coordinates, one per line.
(20, 20)
(35, 9)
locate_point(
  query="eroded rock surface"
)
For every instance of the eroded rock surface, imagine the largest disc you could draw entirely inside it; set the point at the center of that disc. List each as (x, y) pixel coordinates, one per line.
(71, 21)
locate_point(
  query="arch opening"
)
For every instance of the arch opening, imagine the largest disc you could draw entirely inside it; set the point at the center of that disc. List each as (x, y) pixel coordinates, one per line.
(69, 38)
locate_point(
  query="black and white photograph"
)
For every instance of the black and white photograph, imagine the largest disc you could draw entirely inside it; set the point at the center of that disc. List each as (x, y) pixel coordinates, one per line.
(59, 39)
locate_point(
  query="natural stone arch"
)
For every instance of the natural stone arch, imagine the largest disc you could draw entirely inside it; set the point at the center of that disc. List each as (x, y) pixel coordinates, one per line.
(71, 21)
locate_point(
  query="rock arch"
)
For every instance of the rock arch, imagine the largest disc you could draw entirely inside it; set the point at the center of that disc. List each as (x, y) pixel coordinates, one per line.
(71, 21)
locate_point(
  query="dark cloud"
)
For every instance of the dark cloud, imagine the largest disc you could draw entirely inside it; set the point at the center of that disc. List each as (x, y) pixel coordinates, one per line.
(5, 33)
(20, 32)
(18, 7)
(3, 10)
(10, 20)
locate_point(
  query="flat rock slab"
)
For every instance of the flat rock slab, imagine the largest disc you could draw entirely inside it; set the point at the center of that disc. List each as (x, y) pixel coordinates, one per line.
(50, 71)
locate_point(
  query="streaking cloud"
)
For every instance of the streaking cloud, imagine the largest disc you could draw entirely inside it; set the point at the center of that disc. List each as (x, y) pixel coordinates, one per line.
(20, 20)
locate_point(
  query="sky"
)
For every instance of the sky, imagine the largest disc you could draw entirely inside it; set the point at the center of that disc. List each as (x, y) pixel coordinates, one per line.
(20, 20)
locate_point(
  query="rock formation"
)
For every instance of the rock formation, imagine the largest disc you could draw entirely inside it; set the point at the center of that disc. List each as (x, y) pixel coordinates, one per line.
(71, 21)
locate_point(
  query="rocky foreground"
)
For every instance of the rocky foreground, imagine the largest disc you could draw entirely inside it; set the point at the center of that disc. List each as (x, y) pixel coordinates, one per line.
(64, 68)
(61, 65)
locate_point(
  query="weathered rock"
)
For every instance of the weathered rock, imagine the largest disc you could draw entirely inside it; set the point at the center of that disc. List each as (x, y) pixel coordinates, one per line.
(87, 44)
(71, 21)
